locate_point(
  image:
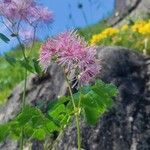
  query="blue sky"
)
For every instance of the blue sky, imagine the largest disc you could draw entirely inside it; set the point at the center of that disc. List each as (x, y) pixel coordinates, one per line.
(61, 9)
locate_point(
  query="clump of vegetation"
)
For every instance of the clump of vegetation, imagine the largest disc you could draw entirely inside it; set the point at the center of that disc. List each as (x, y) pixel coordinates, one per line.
(134, 36)
(94, 101)
(11, 75)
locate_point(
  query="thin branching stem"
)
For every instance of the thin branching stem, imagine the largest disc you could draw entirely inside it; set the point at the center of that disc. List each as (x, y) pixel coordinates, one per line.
(77, 113)
(24, 92)
(22, 47)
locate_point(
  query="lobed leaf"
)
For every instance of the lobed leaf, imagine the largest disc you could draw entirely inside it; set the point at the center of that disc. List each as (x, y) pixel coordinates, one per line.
(25, 63)
(4, 131)
(39, 134)
(36, 65)
(91, 115)
(10, 60)
(4, 38)
(97, 100)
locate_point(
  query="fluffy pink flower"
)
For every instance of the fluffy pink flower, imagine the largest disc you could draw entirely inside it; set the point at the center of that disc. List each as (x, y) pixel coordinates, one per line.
(89, 65)
(27, 10)
(7, 1)
(89, 72)
(8, 11)
(48, 51)
(71, 49)
(71, 52)
(15, 9)
(45, 14)
(39, 14)
(26, 35)
(16, 14)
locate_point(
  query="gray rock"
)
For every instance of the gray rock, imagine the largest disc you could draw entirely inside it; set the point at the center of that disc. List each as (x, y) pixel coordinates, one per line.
(125, 9)
(127, 125)
(40, 90)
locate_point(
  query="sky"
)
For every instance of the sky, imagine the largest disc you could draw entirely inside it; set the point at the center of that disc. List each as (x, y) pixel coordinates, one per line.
(94, 10)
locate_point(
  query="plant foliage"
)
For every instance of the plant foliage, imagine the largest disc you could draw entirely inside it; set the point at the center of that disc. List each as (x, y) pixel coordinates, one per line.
(95, 100)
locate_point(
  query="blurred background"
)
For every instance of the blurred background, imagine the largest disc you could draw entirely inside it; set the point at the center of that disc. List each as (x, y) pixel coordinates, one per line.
(67, 15)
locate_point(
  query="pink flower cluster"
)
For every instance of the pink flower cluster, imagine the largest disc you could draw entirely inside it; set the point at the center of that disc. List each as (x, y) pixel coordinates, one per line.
(71, 52)
(26, 35)
(22, 17)
(27, 10)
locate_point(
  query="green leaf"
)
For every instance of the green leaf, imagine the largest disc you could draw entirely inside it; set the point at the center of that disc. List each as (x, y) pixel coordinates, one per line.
(39, 134)
(57, 110)
(91, 115)
(28, 130)
(85, 89)
(89, 101)
(65, 120)
(4, 38)
(31, 115)
(104, 89)
(37, 66)
(4, 131)
(10, 60)
(15, 130)
(97, 99)
(51, 127)
(26, 64)
(111, 89)
(39, 120)
(14, 35)
(59, 113)
(34, 123)
(25, 116)
(61, 100)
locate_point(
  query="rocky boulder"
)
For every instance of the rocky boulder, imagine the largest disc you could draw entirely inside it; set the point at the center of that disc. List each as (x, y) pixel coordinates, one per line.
(127, 125)
(125, 9)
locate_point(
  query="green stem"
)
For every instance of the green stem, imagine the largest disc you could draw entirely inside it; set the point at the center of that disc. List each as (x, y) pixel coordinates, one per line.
(78, 131)
(22, 139)
(22, 47)
(77, 114)
(24, 93)
(70, 91)
(23, 106)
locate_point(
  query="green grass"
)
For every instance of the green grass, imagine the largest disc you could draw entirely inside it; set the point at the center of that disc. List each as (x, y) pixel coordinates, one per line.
(10, 75)
(128, 39)
(94, 29)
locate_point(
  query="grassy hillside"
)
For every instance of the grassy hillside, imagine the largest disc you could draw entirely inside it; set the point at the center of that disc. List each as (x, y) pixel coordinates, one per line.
(135, 35)
(88, 32)
(12, 75)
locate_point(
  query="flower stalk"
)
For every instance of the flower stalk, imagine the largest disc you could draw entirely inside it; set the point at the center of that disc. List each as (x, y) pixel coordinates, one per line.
(71, 52)
(24, 92)
(76, 113)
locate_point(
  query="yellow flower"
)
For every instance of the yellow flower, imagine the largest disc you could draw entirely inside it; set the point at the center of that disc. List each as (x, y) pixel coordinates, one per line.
(103, 35)
(142, 27)
(145, 30)
(124, 27)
